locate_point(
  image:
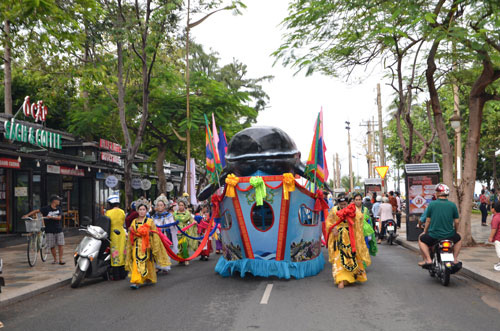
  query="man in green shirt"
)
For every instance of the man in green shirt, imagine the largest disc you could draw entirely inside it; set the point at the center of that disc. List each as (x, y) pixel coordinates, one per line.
(441, 223)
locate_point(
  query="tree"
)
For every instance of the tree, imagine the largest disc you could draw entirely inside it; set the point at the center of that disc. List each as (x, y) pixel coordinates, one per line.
(345, 182)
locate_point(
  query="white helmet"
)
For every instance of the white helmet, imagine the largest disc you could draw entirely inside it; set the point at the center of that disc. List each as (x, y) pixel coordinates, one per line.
(115, 198)
(379, 198)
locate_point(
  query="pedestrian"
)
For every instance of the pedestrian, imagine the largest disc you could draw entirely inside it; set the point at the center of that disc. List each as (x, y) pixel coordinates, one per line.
(184, 217)
(394, 203)
(203, 224)
(53, 226)
(144, 249)
(368, 231)
(375, 208)
(483, 207)
(385, 214)
(398, 210)
(495, 232)
(162, 218)
(132, 215)
(118, 241)
(346, 245)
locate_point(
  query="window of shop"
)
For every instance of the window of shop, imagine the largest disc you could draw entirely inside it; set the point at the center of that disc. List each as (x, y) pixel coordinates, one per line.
(21, 198)
(262, 216)
(4, 202)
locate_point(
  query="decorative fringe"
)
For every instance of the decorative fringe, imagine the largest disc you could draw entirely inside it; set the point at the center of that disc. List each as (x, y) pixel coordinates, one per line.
(280, 269)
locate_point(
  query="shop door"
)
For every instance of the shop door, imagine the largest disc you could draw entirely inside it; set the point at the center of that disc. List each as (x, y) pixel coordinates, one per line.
(85, 198)
(22, 201)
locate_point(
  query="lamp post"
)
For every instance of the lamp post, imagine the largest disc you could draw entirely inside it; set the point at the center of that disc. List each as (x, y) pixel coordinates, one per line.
(455, 122)
(351, 186)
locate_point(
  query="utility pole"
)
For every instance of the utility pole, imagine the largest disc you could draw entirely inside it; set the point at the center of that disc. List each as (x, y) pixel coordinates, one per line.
(338, 169)
(381, 134)
(370, 156)
(351, 186)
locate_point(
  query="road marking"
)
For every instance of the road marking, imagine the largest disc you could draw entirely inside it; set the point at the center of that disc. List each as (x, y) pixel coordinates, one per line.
(267, 294)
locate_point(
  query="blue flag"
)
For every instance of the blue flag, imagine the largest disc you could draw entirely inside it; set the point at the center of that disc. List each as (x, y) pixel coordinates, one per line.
(222, 147)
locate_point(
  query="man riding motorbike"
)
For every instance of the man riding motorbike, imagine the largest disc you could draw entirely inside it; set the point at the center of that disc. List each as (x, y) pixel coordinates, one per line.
(441, 223)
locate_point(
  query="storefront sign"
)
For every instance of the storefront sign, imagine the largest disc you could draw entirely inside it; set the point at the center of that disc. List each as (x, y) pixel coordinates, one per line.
(21, 191)
(37, 110)
(72, 172)
(170, 187)
(145, 184)
(53, 169)
(136, 183)
(9, 163)
(111, 181)
(110, 146)
(110, 158)
(100, 175)
(39, 137)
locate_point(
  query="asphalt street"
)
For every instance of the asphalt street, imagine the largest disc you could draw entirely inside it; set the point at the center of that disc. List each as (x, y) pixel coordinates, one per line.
(397, 296)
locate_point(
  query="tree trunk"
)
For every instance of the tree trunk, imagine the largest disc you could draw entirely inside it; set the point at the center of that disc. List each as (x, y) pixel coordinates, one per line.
(183, 179)
(7, 69)
(127, 176)
(494, 170)
(160, 171)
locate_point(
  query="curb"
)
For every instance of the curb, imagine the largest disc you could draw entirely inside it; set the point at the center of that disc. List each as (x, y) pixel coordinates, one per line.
(30, 294)
(470, 272)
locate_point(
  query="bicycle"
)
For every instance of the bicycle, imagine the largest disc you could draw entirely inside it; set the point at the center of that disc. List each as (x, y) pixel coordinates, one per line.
(37, 239)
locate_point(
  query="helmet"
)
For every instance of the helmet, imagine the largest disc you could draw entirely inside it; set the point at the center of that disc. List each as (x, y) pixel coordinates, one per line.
(115, 198)
(379, 198)
(367, 198)
(442, 189)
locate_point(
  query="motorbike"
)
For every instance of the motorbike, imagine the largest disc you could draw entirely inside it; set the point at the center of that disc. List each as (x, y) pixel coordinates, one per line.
(2, 281)
(92, 256)
(390, 231)
(442, 266)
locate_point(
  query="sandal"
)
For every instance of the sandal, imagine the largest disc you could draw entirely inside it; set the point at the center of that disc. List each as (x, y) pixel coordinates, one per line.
(62, 263)
(54, 262)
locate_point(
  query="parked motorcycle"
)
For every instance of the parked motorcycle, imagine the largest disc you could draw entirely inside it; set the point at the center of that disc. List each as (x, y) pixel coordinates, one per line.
(92, 255)
(442, 266)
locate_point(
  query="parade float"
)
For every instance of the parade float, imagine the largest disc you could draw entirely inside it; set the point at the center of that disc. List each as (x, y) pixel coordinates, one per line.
(270, 224)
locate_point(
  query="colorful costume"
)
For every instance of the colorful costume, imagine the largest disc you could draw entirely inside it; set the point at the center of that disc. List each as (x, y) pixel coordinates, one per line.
(185, 243)
(347, 251)
(162, 219)
(369, 232)
(144, 249)
(202, 228)
(118, 241)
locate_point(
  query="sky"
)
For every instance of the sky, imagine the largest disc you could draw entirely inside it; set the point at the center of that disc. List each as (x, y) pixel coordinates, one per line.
(295, 100)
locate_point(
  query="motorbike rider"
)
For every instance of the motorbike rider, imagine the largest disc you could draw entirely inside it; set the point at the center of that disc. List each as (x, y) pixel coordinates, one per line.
(441, 223)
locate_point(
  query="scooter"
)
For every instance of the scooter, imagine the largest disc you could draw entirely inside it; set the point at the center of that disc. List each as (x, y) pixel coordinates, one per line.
(442, 266)
(390, 230)
(92, 256)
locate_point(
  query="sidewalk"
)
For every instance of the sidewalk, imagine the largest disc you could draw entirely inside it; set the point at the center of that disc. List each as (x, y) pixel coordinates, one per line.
(23, 281)
(478, 261)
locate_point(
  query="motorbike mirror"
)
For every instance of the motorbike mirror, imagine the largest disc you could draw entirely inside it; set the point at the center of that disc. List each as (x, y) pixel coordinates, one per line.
(116, 231)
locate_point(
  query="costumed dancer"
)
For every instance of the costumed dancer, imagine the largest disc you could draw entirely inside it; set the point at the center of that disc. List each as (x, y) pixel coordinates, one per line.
(184, 217)
(346, 245)
(202, 228)
(368, 231)
(161, 218)
(144, 249)
(118, 241)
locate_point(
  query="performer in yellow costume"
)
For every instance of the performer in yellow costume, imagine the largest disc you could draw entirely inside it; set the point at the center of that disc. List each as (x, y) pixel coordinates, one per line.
(346, 245)
(144, 248)
(118, 241)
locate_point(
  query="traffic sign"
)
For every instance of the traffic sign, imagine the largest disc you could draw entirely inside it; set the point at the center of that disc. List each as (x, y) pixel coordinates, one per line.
(382, 171)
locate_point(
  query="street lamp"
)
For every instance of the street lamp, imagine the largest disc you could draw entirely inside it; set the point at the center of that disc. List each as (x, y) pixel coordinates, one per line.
(455, 121)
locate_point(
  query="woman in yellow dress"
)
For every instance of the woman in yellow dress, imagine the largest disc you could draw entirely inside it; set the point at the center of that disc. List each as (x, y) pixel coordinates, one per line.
(144, 249)
(118, 241)
(346, 244)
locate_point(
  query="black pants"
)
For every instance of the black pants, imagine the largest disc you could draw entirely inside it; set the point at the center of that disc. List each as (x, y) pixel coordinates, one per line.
(398, 219)
(484, 213)
(382, 231)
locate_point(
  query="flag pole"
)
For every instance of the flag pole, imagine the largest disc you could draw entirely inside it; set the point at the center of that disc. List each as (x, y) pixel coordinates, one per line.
(211, 142)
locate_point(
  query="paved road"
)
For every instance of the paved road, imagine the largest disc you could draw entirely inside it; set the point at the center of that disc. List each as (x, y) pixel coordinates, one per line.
(397, 296)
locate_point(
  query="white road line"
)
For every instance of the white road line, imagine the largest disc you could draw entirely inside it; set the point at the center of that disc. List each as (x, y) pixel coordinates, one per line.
(267, 294)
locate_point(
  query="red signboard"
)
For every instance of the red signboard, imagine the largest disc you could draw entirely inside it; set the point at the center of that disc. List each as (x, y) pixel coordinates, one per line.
(72, 171)
(110, 146)
(9, 163)
(110, 158)
(421, 189)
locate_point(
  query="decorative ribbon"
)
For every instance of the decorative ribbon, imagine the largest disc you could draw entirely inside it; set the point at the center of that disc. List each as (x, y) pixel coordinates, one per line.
(143, 232)
(260, 189)
(168, 225)
(217, 223)
(347, 214)
(231, 182)
(320, 203)
(288, 185)
(216, 200)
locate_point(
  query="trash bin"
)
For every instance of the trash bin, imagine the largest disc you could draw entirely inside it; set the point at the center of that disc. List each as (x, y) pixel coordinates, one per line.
(421, 181)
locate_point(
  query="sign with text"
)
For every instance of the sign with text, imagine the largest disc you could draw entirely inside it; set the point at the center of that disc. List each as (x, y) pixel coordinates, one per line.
(110, 146)
(67, 171)
(421, 189)
(108, 157)
(39, 137)
(136, 183)
(9, 163)
(111, 181)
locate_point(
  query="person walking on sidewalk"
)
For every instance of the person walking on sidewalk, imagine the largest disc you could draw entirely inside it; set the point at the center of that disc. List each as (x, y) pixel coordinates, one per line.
(495, 232)
(484, 200)
(441, 223)
(53, 227)
(398, 211)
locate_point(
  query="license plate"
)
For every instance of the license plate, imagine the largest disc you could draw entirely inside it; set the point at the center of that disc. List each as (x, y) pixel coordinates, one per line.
(390, 228)
(447, 257)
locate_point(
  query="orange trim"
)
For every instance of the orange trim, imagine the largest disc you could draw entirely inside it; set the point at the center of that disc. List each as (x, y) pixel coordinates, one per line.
(243, 229)
(273, 178)
(304, 190)
(283, 229)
